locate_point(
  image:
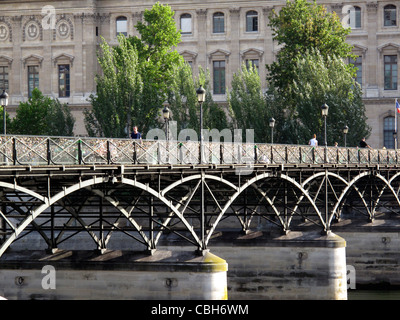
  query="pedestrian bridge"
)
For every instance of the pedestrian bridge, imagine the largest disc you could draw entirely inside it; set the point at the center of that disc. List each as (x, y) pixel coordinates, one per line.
(58, 187)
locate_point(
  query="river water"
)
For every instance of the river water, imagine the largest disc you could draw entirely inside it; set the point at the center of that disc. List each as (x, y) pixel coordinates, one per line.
(369, 294)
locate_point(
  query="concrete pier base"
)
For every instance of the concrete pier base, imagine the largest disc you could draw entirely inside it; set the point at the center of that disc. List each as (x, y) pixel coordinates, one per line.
(293, 266)
(373, 251)
(116, 274)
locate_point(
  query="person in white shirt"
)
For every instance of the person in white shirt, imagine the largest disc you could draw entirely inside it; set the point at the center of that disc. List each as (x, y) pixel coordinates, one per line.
(313, 142)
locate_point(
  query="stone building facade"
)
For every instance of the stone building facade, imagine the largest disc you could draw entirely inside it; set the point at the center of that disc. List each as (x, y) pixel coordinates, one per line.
(52, 45)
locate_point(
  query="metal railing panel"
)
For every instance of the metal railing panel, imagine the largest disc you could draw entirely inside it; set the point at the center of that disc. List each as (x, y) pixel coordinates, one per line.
(40, 150)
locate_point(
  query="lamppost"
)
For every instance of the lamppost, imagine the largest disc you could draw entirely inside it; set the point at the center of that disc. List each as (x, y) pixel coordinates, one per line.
(395, 139)
(272, 125)
(201, 97)
(324, 112)
(345, 132)
(166, 115)
(4, 104)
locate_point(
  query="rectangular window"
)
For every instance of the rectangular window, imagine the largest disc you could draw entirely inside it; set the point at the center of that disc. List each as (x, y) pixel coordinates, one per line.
(388, 128)
(186, 24)
(219, 77)
(355, 17)
(33, 79)
(251, 21)
(122, 26)
(389, 16)
(4, 78)
(218, 23)
(254, 62)
(390, 72)
(358, 64)
(63, 81)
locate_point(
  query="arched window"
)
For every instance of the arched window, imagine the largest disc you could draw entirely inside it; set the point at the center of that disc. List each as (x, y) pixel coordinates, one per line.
(389, 16)
(186, 23)
(251, 21)
(122, 25)
(218, 22)
(355, 17)
(388, 128)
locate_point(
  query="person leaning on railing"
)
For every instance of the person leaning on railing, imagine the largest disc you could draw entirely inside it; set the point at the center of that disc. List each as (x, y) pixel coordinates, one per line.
(364, 144)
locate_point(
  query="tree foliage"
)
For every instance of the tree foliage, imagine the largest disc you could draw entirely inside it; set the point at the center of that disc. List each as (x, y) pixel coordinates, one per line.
(119, 91)
(183, 101)
(247, 103)
(318, 80)
(304, 25)
(136, 76)
(309, 71)
(42, 115)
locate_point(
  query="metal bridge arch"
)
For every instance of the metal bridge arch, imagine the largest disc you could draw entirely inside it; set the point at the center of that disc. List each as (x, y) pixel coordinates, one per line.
(351, 184)
(254, 180)
(47, 202)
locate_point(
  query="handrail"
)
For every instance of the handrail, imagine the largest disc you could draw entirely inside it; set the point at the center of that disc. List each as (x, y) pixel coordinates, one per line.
(43, 150)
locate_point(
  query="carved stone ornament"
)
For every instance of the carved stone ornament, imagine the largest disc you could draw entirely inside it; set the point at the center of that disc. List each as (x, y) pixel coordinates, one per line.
(4, 32)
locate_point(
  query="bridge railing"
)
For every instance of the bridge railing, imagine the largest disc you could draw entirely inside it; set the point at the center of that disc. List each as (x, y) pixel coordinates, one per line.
(41, 150)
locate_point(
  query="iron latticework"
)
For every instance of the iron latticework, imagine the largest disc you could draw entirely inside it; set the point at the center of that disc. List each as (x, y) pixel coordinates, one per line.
(144, 190)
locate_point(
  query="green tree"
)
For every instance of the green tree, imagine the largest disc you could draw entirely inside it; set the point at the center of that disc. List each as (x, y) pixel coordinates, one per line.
(42, 115)
(318, 80)
(182, 97)
(309, 71)
(119, 91)
(60, 120)
(157, 60)
(136, 76)
(302, 25)
(247, 103)
(182, 100)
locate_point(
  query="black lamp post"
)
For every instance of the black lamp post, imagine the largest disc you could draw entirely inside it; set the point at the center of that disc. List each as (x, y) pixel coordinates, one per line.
(395, 139)
(272, 125)
(324, 112)
(166, 114)
(345, 132)
(4, 104)
(201, 97)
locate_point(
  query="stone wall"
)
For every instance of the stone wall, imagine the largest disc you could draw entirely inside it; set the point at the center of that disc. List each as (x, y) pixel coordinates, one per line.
(115, 275)
(375, 256)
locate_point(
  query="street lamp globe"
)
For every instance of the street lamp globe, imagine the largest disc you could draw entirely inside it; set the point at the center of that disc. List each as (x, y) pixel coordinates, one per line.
(166, 113)
(4, 99)
(201, 94)
(324, 110)
(272, 122)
